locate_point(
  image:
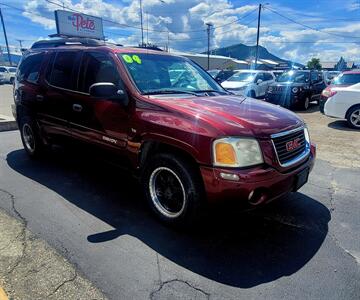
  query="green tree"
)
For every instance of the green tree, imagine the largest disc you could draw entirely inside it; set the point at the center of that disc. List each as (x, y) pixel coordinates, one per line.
(314, 63)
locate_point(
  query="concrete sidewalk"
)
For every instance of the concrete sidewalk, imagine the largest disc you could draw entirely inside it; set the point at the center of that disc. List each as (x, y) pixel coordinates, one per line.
(7, 121)
(31, 269)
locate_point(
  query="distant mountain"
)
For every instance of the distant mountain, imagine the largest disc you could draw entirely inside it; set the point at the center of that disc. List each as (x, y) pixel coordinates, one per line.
(243, 52)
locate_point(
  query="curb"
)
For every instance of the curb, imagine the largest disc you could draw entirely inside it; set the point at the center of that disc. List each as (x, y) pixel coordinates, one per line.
(3, 295)
(7, 123)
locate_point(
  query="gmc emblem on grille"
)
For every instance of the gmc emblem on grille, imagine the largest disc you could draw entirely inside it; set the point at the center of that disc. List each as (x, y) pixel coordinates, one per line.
(292, 145)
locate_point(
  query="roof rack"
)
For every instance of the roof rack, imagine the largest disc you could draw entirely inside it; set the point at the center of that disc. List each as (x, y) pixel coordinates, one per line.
(67, 41)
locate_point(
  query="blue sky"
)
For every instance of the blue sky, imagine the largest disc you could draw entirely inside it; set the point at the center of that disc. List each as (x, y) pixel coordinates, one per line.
(292, 29)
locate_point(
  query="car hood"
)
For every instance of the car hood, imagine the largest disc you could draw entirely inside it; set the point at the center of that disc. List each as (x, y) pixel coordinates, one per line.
(235, 115)
(234, 84)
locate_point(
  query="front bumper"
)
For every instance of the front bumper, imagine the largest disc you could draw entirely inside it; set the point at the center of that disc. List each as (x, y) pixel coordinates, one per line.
(286, 99)
(267, 180)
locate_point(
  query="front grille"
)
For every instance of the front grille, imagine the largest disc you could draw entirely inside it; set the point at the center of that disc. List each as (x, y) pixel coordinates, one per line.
(285, 143)
(277, 89)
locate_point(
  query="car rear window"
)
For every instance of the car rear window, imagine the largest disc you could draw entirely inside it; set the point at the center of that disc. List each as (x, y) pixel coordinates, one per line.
(62, 70)
(347, 79)
(29, 69)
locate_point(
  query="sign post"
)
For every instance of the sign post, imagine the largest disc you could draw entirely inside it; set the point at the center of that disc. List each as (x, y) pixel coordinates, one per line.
(73, 24)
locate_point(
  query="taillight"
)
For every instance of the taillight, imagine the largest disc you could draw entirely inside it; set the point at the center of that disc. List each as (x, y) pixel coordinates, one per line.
(327, 93)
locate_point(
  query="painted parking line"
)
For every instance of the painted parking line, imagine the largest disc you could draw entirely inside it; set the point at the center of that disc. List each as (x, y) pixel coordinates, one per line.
(3, 295)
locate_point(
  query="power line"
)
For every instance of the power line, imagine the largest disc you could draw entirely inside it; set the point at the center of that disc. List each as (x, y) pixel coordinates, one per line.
(309, 27)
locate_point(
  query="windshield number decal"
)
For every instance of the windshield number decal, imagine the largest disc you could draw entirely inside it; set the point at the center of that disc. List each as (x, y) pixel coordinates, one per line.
(135, 58)
(127, 58)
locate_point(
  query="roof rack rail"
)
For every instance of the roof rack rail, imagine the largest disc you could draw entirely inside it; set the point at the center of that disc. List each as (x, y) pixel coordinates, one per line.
(67, 41)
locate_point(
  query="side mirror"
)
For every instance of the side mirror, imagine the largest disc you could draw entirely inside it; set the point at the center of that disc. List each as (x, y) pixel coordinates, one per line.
(259, 81)
(218, 80)
(108, 90)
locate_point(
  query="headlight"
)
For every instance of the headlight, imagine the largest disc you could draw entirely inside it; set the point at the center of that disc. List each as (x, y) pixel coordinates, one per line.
(295, 90)
(307, 135)
(236, 152)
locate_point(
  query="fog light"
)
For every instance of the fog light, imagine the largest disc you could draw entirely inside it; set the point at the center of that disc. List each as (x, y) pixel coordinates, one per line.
(227, 176)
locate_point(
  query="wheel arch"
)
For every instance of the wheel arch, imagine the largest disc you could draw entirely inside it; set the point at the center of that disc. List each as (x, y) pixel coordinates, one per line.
(350, 108)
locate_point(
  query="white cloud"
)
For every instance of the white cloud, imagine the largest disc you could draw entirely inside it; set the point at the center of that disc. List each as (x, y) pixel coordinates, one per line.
(185, 20)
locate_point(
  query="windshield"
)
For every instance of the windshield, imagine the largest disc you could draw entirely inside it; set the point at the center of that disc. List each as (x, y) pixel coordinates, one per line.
(242, 76)
(291, 76)
(214, 73)
(347, 79)
(153, 73)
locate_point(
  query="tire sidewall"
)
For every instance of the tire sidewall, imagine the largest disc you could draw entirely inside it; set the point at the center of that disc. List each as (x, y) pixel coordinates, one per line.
(350, 112)
(189, 180)
(25, 120)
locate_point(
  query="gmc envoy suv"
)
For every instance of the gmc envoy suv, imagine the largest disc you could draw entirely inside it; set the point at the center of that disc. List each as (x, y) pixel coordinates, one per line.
(188, 140)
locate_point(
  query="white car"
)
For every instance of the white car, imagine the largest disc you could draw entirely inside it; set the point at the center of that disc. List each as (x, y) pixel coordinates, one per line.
(7, 74)
(344, 103)
(249, 83)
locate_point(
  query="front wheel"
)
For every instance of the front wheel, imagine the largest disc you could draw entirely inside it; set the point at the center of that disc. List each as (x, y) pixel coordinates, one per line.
(173, 189)
(353, 117)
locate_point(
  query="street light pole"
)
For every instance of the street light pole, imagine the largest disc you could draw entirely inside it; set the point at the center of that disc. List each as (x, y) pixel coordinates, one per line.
(6, 40)
(141, 22)
(208, 29)
(258, 37)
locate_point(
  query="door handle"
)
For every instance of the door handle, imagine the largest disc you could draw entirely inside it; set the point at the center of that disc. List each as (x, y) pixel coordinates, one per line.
(39, 98)
(77, 107)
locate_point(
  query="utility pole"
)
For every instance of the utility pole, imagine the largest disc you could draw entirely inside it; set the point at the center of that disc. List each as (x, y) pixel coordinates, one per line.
(141, 22)
(168, 41)
(208, 29)
(6, 40)
(20, 43)
(258, 37)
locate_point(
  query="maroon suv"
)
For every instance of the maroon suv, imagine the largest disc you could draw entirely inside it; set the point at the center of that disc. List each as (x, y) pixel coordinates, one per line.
(189, 141)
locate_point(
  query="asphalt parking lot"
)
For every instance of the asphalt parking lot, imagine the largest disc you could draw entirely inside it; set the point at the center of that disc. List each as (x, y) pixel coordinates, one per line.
(303, 246)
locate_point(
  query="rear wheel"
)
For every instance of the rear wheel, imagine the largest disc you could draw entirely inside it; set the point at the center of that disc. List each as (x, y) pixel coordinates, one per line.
(306, 104)
(30, 137)
(353, 117)
(173, 189)
(12, 79)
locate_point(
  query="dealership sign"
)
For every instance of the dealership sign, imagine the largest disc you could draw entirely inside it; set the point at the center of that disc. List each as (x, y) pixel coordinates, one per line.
(78, 25)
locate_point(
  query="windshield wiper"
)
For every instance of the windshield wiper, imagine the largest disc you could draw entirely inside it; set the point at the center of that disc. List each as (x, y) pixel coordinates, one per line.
(210, 91)
(156, 92)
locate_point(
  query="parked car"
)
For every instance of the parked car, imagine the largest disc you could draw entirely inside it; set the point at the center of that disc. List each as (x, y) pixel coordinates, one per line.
(296, 89)
(343, 80)
(277, 73)
(189, 141)
(7, 74)
(329, 76)
(249, 83)
(344, 103)
(221, 75)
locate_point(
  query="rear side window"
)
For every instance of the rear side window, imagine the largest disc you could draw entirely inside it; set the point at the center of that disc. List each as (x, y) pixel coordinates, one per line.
(2, 69)
(29, 69)
(62, 70)
(267, 76)
(97, 67)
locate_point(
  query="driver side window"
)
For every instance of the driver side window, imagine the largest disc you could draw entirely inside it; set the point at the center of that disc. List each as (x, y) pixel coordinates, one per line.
(314, 77)
(97, 67)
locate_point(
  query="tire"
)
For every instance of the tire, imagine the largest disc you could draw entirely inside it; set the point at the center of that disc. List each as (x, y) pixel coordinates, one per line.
(173, 189)
(12, 79)
(353, 117)
(306, 104)
(30, 137)
(252, 94)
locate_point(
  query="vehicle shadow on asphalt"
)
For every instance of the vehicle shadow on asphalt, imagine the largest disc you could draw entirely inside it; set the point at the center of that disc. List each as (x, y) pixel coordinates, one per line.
(341, 125)
(240, 249)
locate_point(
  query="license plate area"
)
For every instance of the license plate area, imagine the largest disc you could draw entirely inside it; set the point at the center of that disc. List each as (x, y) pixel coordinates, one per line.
(301, 178)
